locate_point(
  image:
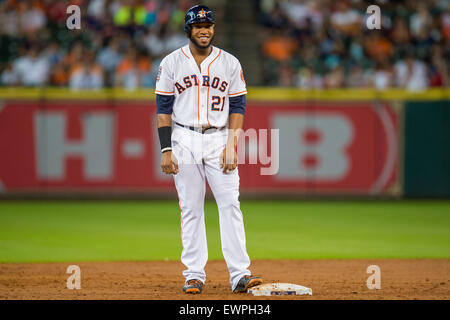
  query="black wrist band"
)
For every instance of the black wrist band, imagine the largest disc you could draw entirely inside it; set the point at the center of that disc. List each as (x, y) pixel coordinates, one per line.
(165, 134)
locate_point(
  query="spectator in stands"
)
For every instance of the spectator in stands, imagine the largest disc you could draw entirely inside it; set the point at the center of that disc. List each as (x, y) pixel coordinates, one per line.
(316, 13)
(411, 73)
(53, 53)
(59, 75)
(286, 75)
(130, 13)
(335, 78)
(32, 18)
(9, 76)
(400, 36)
(336, 56)
(87, 74)
(175, 40)
(324, 41)
(439, 68)
(420, 20)
(58, 69)
(155, 41)
(97, 9)
(345, 19)
(356, 50)
(32, 68)
(109, 58)
(275, 18)
(377, 46)
(357, 77)
(279, 46)
(297, 12)
(423, 43)
(383, 77)
(308, 79)
(75, 55)
(9, 21)
(56, 12)
(132, 71)
(445, 22)
(279, 49)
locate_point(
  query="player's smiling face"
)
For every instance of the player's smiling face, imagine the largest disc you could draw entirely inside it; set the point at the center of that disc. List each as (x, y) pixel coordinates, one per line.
(202, 34)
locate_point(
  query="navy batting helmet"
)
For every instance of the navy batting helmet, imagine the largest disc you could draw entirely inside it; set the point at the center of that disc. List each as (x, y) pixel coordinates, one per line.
(197, 14)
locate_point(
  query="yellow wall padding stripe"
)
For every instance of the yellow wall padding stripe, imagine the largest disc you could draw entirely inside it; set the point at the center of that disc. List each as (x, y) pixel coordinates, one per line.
(254, 94)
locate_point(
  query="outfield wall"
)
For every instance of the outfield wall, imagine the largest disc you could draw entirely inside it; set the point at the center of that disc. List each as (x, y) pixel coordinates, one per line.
(332, 142)
(427, 149)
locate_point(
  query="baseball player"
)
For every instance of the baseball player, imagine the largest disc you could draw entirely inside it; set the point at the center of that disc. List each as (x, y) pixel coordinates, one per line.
(201, 89)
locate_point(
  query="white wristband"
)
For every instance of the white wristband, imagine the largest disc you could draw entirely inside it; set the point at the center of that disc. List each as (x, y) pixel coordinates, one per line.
(166, 149)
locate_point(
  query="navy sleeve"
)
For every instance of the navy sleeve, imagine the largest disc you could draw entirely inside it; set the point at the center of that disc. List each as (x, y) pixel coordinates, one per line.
(237, 104)
(164, 104)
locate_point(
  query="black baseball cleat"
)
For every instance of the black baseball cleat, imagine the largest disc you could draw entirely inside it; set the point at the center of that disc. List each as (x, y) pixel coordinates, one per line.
(247, 282)
(193, 286)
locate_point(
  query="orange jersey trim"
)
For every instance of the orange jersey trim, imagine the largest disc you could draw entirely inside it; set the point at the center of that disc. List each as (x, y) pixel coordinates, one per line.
(198, 102)
(184, 53)
(207, 100)
(157, 91)
(233, 94)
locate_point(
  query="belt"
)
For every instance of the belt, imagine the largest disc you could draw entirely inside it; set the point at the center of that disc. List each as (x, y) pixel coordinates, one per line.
(201, 130)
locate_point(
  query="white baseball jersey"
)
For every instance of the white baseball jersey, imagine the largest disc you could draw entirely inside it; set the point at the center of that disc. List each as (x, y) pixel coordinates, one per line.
(201, 95)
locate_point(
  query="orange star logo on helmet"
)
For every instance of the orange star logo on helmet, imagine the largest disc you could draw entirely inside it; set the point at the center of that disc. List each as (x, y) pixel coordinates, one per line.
(201, 14)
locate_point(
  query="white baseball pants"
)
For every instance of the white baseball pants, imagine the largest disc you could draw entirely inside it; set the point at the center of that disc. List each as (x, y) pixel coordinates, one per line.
(198, 158)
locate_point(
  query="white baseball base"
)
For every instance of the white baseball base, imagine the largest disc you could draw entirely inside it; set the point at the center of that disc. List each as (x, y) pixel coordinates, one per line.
(279, 289)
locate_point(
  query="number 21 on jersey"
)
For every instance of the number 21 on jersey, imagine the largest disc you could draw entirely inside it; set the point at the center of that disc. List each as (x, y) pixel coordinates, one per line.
(217, 103)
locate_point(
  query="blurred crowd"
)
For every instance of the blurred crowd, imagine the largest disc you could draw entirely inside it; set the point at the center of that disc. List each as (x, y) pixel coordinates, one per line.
(326, 44)
(120, 43)
(304, 43)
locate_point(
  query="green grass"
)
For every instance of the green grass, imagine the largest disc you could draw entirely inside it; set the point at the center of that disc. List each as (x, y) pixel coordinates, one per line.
(106, 231)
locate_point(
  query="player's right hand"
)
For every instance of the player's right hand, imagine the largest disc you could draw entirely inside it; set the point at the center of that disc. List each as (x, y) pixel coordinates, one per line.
(169, 164)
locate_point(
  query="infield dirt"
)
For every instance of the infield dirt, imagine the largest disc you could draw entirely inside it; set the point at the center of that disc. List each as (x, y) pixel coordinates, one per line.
(153, 280)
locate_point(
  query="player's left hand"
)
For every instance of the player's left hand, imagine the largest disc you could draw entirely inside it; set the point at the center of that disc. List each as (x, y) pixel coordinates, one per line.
(169, 163)
(228, 161)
